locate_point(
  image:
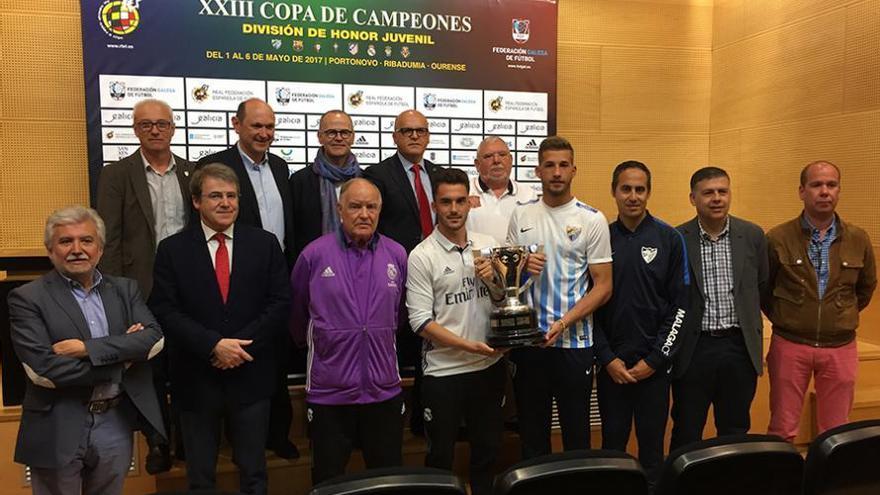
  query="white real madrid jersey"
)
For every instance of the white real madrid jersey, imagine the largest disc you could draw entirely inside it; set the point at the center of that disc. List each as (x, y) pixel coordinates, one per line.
(574, 235)
(441, 286)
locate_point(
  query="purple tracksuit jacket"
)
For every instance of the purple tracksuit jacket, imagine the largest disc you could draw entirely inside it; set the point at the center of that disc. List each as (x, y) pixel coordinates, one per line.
(346, 303)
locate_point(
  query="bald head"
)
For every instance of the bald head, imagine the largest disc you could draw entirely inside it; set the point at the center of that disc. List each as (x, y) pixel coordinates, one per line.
(411, 135)
(254, 122)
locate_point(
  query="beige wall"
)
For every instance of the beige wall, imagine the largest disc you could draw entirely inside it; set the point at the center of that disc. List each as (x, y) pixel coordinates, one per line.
(793, 82)
(634, 84)
(43, 163)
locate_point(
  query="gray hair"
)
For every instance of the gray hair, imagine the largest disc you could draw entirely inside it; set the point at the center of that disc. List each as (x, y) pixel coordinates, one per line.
(71, 215)
(151, 101)
(214, 170)
(490, 139)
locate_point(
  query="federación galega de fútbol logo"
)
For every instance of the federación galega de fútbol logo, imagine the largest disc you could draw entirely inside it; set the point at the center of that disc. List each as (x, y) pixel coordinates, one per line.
(520, 30)
(117, 90)
(119, 17)
(282, 95)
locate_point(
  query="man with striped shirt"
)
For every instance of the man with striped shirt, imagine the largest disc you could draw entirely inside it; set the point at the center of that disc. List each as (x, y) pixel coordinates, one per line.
(574, 279)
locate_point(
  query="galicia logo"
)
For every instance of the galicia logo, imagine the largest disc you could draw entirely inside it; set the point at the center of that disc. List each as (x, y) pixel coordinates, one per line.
(119, 18)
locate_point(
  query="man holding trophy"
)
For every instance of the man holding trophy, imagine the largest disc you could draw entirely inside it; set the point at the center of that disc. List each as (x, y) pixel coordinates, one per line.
(449, 306)
(575, 279)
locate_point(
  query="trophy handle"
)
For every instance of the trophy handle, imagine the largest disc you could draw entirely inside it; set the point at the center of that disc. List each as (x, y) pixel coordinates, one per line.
(524, 287)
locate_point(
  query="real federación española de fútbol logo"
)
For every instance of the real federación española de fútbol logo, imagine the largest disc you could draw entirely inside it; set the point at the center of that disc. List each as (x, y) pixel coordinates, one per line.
(119, 18)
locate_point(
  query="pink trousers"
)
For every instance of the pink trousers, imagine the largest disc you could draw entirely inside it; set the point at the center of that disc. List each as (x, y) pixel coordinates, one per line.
(791, 366)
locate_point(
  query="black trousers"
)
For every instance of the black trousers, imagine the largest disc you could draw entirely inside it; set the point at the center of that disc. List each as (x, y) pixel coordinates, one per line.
(721, 374)
(542, 374)
(335, 430)
(646, 403)
(476, 399)
(246, 426)
(281, 410)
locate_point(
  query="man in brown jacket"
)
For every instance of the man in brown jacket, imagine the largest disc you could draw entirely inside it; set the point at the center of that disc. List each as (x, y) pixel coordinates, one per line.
(822, 274)
(143, 199)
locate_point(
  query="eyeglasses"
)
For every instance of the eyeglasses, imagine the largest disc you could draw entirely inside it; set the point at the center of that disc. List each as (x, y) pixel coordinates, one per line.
(499, 154)
(343, 133)
(219, 196)
(147, 125)
(409, 131)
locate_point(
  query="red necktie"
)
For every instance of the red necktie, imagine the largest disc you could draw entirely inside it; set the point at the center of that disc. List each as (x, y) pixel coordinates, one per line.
(424, 207)
(221, 265)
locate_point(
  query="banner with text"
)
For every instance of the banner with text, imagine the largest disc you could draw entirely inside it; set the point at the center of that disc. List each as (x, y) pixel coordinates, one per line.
(473, 67)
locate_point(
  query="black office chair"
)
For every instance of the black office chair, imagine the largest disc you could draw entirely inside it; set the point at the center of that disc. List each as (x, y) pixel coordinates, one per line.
(574, 472)
(393, 481)
(733, 465)
(845, 461)
(196, 492)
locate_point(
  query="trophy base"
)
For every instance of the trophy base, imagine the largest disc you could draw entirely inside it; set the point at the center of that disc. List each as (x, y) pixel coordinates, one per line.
(514, 329)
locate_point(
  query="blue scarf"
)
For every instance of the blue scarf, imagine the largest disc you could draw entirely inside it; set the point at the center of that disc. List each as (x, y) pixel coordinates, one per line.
(331, 176)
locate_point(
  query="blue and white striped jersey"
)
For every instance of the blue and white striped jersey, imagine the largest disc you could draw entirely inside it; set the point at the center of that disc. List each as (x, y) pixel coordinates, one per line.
(574, 235)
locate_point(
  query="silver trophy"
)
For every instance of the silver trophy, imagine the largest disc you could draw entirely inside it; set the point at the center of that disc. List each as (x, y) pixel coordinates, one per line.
(512, 323)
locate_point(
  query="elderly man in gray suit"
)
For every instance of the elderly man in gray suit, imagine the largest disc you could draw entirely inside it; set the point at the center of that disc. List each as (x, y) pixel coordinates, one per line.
(83, 339)
(721, 353)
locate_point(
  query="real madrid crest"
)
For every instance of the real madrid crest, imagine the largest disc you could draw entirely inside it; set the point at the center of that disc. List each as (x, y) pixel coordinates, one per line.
(392, 271)
(649, 253)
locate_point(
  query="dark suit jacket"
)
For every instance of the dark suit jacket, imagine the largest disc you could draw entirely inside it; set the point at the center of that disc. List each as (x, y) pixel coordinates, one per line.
(188, 304)
(750, 274)
(248, 208)
(124, 204)
(399, 218)
(54, 410)
(305, 196)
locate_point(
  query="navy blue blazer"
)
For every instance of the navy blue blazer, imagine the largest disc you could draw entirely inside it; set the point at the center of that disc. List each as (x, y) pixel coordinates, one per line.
(248, 208)
(186, 300)
(399, 218)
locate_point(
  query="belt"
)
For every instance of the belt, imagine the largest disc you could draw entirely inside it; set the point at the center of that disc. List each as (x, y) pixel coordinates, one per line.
(103, 405)
(723, 332)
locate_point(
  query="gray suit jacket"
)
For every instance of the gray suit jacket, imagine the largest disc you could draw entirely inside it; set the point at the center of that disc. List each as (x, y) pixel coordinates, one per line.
(750, 274)
(124, 204)
(54, 409)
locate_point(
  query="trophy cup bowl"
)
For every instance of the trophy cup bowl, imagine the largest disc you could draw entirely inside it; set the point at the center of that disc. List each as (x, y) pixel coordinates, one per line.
(512, 322)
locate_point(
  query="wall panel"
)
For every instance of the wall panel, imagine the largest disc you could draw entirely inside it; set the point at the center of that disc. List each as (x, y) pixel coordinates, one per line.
(862, 77)
(649, 23)
(655, 90)
(790, 73)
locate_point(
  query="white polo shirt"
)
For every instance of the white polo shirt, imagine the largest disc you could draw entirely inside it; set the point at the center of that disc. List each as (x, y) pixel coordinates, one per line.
(442, 286)
(574, 236)
(493, 214)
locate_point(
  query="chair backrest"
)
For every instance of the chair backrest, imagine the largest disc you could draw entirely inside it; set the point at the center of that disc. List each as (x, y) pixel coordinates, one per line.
(393, 481)
(845, 460)
(574, 472)
(735, 464)
(196, 492)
